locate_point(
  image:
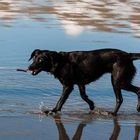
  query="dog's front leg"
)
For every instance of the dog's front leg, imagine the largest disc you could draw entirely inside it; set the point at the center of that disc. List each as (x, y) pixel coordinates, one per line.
(85, 97)
(65, 94)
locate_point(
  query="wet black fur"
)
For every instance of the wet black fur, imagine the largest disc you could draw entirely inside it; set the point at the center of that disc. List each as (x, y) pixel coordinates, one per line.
(84, 67)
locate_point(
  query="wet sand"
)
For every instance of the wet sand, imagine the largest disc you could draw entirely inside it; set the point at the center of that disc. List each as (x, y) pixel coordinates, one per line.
(70, 126)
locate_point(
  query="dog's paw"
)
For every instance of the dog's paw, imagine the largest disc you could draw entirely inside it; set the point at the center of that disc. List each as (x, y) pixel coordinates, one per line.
(46, 111)
(49, 112)
(52, 112)
(112, 114)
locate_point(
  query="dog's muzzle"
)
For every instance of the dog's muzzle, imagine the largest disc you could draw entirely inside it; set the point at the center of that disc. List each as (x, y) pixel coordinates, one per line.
(34, 71)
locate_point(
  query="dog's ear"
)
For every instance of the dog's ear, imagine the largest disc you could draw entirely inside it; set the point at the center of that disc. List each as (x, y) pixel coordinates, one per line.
(35, 52)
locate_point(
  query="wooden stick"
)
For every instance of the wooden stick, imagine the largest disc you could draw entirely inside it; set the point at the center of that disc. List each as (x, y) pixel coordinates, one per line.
(22, 70)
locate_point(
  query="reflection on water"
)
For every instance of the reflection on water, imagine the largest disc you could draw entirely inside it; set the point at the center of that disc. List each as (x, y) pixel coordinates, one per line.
(75, 16)
(56, 128)
(63, 133)
(116, 133)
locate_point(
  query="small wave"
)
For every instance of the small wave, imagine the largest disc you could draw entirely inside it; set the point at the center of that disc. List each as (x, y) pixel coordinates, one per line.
(7, 110)
(8, 68)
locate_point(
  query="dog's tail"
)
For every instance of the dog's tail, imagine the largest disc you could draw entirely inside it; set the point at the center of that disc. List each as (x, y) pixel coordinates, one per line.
(135, 56)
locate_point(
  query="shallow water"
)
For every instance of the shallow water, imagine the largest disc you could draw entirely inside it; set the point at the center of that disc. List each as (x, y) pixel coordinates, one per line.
(63, 26)
(31, 128)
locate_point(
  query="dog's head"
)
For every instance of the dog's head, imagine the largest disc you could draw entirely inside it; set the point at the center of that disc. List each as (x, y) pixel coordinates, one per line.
(43, 60)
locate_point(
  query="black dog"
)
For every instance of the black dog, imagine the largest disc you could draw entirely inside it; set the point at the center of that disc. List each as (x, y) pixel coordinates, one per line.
(83, 67)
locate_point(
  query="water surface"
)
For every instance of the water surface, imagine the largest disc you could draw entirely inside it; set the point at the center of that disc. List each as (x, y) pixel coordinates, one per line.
(64, 25)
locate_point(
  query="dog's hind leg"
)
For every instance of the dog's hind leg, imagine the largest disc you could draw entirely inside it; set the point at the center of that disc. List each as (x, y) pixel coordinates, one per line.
(85, 97)
(123, 75)
(132, 88)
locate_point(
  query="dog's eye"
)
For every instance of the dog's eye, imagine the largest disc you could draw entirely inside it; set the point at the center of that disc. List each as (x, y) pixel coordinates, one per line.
(40, 60)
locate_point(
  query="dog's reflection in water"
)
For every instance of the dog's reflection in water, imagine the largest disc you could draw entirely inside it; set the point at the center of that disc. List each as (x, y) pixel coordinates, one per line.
(137, 131)
(78, 133)
(117, 129)
(62, 131)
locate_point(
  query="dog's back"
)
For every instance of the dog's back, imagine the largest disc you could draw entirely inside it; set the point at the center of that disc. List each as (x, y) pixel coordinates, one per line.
(90, 65)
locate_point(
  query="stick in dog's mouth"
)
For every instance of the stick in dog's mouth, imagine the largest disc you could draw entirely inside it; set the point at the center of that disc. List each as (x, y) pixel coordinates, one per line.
(23, 70)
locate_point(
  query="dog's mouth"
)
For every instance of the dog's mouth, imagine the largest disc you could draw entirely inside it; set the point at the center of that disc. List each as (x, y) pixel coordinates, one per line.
(35, 71)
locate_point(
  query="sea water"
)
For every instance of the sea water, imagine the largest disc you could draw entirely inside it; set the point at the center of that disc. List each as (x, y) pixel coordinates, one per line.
(62, 25)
